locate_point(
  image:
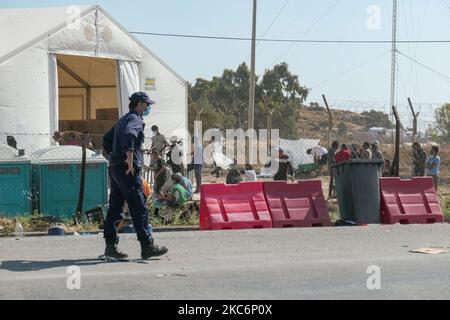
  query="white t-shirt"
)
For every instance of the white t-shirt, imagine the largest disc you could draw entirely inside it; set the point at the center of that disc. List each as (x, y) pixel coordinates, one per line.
(318, 152)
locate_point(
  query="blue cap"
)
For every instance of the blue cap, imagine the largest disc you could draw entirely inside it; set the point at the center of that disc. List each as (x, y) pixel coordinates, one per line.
(141, 96)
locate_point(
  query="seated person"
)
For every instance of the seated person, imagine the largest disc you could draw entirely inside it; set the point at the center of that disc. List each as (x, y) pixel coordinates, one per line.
(235, 174)
(178, 195)
(185, 183)
(250, 174)
(160, 173)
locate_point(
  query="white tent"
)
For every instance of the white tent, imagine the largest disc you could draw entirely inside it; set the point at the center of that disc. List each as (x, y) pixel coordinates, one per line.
(64, 64)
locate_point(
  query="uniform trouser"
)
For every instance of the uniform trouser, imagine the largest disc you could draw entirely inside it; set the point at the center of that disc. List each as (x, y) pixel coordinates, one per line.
(127, 188)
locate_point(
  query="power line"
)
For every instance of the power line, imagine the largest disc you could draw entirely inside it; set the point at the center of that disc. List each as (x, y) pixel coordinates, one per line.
(284, 40)
(351, 69)
(308, 30)
(276, 18)
(446, 4)
(425, 66)
(271, 24)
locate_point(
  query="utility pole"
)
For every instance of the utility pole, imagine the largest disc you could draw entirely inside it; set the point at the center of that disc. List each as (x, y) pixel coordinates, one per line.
(394, 54)
(269, 112)
(251, 103)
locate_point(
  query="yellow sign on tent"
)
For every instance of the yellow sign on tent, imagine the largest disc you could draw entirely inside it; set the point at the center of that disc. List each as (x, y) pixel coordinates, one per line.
(150, 84)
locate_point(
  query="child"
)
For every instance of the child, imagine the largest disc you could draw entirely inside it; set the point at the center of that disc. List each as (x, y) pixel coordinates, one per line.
(433, 164)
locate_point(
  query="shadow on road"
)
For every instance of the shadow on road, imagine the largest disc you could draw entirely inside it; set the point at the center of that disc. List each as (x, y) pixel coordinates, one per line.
(25, 266)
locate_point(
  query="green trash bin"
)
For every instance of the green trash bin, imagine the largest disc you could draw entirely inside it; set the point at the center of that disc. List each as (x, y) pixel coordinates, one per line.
(56, 176)
(15, 183)
(358, 190)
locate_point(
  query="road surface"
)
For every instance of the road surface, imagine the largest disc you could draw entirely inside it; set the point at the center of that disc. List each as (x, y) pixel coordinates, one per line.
(318, 263)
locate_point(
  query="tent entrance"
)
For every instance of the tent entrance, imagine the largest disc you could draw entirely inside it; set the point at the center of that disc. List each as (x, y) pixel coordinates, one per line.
(87, 95)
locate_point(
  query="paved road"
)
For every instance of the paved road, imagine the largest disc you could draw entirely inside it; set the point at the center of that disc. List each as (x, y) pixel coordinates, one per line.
(321, 263)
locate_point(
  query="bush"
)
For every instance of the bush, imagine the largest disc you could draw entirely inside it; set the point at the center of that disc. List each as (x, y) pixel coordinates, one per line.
(445, 203)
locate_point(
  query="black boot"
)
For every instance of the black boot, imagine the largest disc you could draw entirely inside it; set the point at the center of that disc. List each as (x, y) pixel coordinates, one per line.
(112, 252)
(149, 250)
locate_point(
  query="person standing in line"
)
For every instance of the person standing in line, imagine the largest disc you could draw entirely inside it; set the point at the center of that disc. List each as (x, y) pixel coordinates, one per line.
(378, 155)
(433, 166)
(366, 153)
(344, 154)
(285, 168)
(197, 162)
(419, 158)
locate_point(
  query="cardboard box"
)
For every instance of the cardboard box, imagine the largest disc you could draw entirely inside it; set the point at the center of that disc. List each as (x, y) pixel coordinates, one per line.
(100, 114)
(107, 114)
(112, 114)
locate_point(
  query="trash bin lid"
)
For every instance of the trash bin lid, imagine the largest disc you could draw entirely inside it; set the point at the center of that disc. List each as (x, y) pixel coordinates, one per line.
(9, 154)
(358, 161)
(62, 154)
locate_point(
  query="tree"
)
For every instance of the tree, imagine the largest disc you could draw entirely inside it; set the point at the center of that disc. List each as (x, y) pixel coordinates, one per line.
(224, 99)
(377, 119)
(442, 116)
(283, 96)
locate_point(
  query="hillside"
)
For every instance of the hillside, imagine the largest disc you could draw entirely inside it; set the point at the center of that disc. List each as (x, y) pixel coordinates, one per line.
(347, 125)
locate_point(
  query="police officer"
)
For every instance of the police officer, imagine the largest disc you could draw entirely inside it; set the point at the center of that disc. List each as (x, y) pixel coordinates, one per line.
(123, 145)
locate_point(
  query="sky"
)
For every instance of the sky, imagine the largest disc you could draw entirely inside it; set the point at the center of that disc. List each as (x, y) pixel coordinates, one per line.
(343, 72)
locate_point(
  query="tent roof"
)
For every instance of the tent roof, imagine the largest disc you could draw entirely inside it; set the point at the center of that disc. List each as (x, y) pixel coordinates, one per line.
(19, 28)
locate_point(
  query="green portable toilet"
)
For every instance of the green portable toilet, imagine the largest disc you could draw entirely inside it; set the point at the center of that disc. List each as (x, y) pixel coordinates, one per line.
(15, 183)
(56, 176)
(358, 190)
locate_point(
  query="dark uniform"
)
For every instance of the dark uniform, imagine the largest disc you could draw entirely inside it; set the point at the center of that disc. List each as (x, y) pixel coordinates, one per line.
(128, 135)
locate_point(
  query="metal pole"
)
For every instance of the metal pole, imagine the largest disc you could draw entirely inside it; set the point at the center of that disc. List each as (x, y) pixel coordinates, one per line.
(415, 115)
(251, 104)
(330, 120)
(395, 168)
(394, 52)
(85, 140)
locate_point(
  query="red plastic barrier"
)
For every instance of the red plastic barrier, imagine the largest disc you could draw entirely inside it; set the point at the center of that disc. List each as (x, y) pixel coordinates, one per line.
(240, 206)
(409, 201)
(299, 204)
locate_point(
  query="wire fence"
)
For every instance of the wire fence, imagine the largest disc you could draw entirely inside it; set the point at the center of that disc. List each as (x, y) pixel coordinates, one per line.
(31, 143)
(426, 120)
